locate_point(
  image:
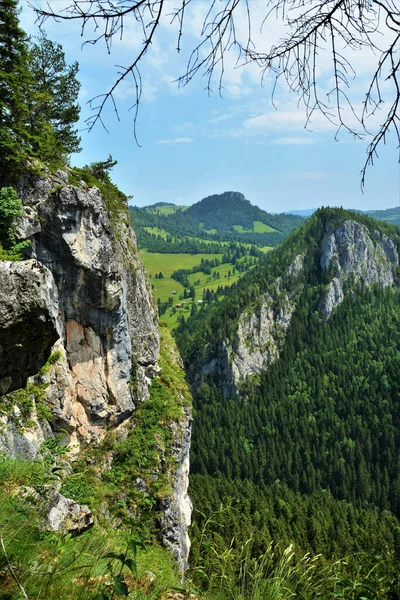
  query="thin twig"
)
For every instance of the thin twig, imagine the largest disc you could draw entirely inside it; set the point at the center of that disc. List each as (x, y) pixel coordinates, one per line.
(11, 569)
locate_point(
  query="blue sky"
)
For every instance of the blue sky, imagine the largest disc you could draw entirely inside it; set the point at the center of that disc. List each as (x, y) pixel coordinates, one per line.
(194, 144)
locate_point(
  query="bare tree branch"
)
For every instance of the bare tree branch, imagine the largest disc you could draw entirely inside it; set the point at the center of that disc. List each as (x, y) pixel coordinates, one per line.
(322, 34)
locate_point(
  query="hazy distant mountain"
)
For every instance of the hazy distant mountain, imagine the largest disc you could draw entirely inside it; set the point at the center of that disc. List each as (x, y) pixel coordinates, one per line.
(390, 215)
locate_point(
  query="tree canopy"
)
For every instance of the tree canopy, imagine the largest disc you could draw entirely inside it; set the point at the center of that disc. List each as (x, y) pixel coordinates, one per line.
(38, 97)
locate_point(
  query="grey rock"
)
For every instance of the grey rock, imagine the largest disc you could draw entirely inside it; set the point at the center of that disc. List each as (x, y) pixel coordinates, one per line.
(29, 321)
(352, 250)
(58, 512)
(333, 297)
(259, 336)
(108, 336)
(66, 515)
(23, 442)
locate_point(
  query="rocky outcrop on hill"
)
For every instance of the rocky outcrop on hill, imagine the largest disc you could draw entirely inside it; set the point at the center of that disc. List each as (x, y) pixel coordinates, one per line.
(261, 331)
(349, 252)
(352, 250)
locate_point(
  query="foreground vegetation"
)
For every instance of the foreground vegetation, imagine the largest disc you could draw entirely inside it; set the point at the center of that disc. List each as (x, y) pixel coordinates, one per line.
(52, 565)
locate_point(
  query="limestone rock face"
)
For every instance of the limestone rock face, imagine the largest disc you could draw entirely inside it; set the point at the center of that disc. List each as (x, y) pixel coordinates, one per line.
(29, 321)
(84, 298)
(177, 510)
(15, 441)
(84, 293)
(352, 250)
(58, 512)
(260, 334)
(259, 337)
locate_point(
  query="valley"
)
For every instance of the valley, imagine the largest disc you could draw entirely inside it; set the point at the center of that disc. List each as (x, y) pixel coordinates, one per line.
(223, 229)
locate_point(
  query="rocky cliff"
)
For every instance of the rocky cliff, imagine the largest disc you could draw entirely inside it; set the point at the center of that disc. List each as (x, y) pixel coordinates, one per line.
(349, 253)
(351, 250)
(88, 277)
(79, 339)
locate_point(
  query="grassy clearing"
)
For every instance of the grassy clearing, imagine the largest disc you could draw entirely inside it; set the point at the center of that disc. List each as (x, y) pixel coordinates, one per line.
(157, 231)
(168, 263)
(258, 227)
(164, 288)
(210, 282)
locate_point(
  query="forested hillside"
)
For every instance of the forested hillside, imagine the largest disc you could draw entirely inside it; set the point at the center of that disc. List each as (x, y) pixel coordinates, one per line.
(304, 446)
(221, 217)
(391, 215)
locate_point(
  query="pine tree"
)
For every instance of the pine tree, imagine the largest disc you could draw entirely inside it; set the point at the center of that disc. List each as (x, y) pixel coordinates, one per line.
(15, 81)
(56, 90)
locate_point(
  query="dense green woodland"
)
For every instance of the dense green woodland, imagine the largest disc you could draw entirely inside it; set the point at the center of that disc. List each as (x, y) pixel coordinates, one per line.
(310, 453)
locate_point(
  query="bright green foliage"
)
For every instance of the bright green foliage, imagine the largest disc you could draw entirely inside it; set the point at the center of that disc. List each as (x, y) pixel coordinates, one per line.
(56, 88)
(33, 396)
(10, 209)
(117, 561)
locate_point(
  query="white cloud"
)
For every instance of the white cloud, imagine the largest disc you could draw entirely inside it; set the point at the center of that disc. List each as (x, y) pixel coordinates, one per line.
(182, 140)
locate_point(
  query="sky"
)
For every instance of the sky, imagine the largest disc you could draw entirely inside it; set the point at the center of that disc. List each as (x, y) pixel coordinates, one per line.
(194, 144)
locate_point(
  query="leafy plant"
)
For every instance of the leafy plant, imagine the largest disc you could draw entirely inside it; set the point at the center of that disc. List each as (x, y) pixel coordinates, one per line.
(117, 561)
(10, 209)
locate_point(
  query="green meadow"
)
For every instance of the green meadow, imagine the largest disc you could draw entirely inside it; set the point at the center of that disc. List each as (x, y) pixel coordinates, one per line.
(157, 231)
(258, 227)
(165, 287)
(168, 263)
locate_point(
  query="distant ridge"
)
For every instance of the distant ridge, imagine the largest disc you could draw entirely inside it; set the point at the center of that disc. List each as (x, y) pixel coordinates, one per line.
(232, 212)
(390, 215)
